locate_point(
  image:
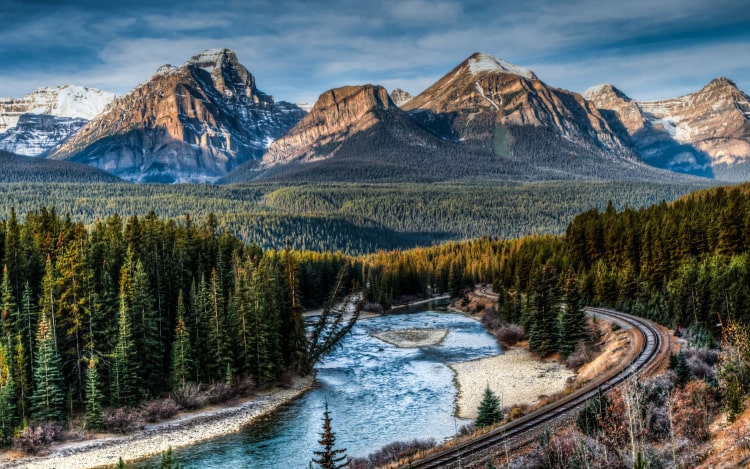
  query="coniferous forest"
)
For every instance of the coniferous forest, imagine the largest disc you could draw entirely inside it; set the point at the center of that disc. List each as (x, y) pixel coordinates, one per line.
(130, 309)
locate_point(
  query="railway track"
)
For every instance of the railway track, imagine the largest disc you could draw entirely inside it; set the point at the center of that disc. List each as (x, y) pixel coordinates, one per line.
(650, 347)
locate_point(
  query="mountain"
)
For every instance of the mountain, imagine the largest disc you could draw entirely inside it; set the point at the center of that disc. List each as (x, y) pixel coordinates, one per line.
(354, 133)
(190, 123)
(45, 118)
(483, 97)
(358, 134)
(17, 168)
(705, 133)
(400, 97)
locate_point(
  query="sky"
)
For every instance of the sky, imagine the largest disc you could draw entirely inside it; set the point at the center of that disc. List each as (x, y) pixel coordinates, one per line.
(650, 49)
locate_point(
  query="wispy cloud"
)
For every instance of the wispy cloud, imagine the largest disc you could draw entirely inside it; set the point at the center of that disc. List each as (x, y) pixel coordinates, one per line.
(296, 49)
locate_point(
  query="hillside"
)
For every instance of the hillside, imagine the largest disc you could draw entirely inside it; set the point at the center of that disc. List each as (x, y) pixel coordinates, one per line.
(17, 168)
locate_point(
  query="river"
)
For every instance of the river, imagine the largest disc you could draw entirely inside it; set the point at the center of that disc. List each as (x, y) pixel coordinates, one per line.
(377, 393)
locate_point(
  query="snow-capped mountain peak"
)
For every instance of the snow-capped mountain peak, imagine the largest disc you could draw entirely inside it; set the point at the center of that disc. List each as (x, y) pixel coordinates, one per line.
(482, 62)
(76, 102)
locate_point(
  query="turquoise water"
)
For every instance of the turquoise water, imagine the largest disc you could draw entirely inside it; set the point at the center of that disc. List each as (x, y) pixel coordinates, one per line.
(377, 393)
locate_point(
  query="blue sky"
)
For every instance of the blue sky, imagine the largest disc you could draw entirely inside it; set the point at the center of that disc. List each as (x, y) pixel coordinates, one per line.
(650, 49)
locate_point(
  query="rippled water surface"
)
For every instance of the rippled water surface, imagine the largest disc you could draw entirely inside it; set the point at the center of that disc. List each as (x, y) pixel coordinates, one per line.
(377, 393)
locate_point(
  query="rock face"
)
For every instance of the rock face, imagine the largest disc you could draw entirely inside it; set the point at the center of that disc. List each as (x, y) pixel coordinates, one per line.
(705, 133)
(337, 115)
(479, 100)
(45, 118)
(36, 134)
(191, 123)
(400, 97)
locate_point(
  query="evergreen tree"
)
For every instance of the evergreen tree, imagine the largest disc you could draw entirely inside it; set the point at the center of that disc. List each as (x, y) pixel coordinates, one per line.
(93, 397)
(181, 354)
(572, 328)
(328, 457)
(682, 370)
(9, 310)
(489, 410)
(294, 339)
(169, 461)
(544, 308)
(8, 411)
(48, 400)
(48, 303)
(217, 332)
(123, 379)
(20, 369)
(146, 328)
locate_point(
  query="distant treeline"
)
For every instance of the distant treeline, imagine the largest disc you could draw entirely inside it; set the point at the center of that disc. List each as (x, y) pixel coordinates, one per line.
(684, 263)
(353, 219)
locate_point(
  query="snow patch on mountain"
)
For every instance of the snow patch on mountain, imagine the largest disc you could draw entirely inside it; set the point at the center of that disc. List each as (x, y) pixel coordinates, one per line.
(481, 62)
(71, 101)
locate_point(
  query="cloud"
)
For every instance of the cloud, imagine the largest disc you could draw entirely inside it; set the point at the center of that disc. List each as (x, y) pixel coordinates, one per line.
(297, 49)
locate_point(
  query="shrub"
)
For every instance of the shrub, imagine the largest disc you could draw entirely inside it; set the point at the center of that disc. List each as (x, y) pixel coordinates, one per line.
(392, 452)
(34, 438)
(190, 396)
(221, 392)
(122, 420)
(510, 335)
(153, 411)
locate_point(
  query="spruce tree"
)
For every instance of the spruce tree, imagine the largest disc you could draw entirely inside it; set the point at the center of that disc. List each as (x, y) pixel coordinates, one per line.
(123, 379)
(217, 331)
(328, 457)
(169, 460)
(146, 330)
(294, 340)
(48, 400)
(489, 410)
(8, 411)
(573, 322)
(93, 397)
(181, 353)
(543, 311)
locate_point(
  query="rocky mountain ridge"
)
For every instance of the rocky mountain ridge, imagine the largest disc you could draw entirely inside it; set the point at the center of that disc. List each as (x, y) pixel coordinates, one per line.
(190, 123)
(705, 133)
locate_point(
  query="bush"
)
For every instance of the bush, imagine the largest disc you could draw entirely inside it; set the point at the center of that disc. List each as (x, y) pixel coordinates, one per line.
(221, 392)
(190, 396)
(510, 335)
(122, 420)
(34, 438)
(392, 452)
(153, 411)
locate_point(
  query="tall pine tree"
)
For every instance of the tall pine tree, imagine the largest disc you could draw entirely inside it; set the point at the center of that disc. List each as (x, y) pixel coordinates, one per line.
(48, 400)
(182, 359)
(328, 457)
(544, 308)
(573, 322)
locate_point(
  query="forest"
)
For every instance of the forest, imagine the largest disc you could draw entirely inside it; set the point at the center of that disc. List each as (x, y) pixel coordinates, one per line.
(130, 309)
(353, 219)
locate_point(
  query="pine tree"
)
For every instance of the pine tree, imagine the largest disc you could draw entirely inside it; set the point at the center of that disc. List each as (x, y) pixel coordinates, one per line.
(9, 310)
(328, 457)
(93, 397)
(572, 328)
(489, 410)
(294, 340)
(181, 353)
(544, 308)
(48, 400)
(145, 326)
(682, 370)
(123, 379)
(8, 411)
(217, 332)
(20, 370)
(169, 461)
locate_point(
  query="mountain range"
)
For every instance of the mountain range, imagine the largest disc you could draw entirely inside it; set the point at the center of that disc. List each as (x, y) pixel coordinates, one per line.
(486, 119)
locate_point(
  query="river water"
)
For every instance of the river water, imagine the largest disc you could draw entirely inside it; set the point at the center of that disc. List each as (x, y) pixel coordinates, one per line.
(377, 393)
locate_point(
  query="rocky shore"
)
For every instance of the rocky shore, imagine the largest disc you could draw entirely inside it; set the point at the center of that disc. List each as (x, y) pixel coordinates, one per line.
(153, 439)
(516, 377)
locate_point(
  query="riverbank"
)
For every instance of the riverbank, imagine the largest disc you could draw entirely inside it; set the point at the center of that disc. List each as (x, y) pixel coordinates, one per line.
(517, 377)
(185, 430)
